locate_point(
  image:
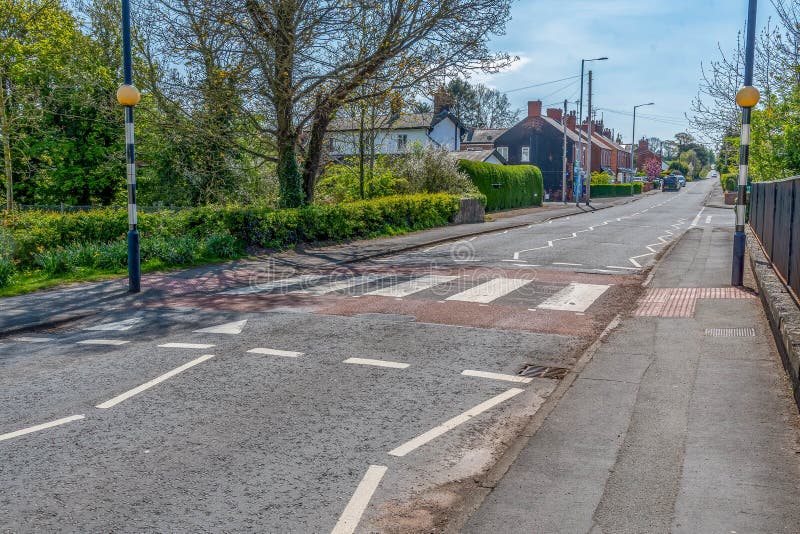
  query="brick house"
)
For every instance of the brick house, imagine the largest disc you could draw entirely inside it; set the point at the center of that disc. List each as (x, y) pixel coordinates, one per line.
(643, 154)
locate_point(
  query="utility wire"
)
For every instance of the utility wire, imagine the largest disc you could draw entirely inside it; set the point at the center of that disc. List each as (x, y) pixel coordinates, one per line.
(541, 84)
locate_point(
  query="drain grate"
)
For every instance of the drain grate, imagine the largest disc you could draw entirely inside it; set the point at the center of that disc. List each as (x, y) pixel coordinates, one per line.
(730, 332)
(541, 371)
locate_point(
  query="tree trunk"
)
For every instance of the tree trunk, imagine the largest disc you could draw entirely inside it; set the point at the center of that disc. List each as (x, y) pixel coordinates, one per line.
(5, 129)
(361, 152)
(313, 160)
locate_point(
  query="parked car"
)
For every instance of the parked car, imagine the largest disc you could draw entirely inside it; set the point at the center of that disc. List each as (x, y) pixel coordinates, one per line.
(670, 183)
(681, 179)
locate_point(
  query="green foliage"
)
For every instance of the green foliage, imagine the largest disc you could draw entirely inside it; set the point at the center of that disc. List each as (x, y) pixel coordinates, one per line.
(680, 167)
(430, 169)
(223, 246)
(56, 261)
(506, 186)
(637, 188)
(340, 182)
(600, 178)
(7, 270)
(730, 182)
(613, 190)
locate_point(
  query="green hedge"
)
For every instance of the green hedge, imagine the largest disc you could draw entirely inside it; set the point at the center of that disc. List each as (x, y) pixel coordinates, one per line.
(34, 233)
(613, 190)
(506, 186)
(637, 188)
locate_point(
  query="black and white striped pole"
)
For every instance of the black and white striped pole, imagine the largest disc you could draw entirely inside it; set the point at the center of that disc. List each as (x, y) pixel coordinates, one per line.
(747, 97)
(129, 96)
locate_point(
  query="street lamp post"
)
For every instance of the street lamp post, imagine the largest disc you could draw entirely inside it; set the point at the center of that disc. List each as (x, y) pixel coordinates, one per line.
(129, 96)
(746, 98)
(633, 134)
(580, 128)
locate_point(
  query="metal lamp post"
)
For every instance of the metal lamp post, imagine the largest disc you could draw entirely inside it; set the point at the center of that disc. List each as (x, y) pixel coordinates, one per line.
(747, 97)
(129, 96)
(633, 134)
(580, 129)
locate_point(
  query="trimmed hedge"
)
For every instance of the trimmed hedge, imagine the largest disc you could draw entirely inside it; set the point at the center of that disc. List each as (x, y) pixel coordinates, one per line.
(506, 186)
(637, 188)
(34, 233)
(613, 190)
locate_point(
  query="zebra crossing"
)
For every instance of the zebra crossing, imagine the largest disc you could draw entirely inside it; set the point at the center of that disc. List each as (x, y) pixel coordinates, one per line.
(477, 288)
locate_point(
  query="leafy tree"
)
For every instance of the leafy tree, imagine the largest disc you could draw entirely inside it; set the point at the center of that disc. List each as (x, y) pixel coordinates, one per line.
(652, 168)
(481, 107)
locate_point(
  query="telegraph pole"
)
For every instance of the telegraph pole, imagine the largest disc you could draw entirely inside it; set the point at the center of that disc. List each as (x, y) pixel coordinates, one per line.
(746, 98)
(589, 151)
(129, 96)
(564, 166)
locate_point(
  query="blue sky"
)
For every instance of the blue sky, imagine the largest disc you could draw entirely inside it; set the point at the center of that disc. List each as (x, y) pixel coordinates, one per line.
(654, 48)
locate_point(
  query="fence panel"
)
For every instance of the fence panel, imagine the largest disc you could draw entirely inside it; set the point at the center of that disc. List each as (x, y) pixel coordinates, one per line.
(782, 230)
(755, 210)
(794, 261)
(767, 234)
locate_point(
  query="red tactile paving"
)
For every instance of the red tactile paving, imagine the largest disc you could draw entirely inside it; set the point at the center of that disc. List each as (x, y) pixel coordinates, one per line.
(682, 301)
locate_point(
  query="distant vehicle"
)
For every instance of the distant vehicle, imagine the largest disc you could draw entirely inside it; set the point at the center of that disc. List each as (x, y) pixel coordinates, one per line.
(638, 179)
(681, 179)
(670, 183)
(713, 174)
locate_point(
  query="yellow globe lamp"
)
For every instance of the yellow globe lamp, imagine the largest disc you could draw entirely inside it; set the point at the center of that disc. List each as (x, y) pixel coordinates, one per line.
(128, 95)
(747, 96)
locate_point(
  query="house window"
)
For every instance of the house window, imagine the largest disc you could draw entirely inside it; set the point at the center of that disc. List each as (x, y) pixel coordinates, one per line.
(526, 154)
(503, 152)
(402, 142)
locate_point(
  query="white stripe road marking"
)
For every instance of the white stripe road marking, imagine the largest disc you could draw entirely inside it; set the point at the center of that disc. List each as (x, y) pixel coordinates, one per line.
(490, 291)
(118, 326)
(708, 219)
(634, 258)
(437, 431)
(233, 328)
(697, 217)
(147, 385)
(186, 346)
(351, 516)
(575, 297)
(43, 426)
(497, 376)
(412, 286)
(618, 267)
(275, 352)
(32, 339)
(115, 342)
(570, 264)
(338, 285)
(377, 363)
(283, 283)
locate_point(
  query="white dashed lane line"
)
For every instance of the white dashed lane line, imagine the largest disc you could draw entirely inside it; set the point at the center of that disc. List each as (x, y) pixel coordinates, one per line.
(186, 346)
(112, 342)
(275, 352)
(376, 363)
(32, 339)
(497, 376)
(43, 426)
(358, 502)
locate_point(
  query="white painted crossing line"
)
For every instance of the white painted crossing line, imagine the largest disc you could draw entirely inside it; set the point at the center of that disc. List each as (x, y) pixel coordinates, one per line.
(112, 342)
(618, 267)
(568, 264)
(275, 352)
(341, 284)
(351, 516)
(32, 339)
(186, 346)
(376, 363)
(450, 424)
(490, 291)
(497, 376)
(416, 285)
(43, 426)
(233, 328)
(283, 284)
(119, 326)
(147, 385)
(708, 219)
(575, 297)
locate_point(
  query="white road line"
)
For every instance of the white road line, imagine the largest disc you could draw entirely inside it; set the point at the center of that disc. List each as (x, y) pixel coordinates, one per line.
(233, 328)
(575, 297)
(636, 263)
(497, 376)
(490, 291)
(376, 363)
(275, 352)
(283, 283)
(43, 426)
(708, 219)
(119, 326)
(186, 346)
(412, 286)
(351, 516)
(32, 339)
(570, 264)
(618, 267)
(147, 385)
(437, 431)
(634, 258)
(115, 342)
(338, 285)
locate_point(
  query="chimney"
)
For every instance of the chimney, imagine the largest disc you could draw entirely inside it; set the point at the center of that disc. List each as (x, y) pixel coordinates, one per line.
(441, 100)
(535, 108)
(555, 114)
(571, 120)
(607, 133)
(643, 144)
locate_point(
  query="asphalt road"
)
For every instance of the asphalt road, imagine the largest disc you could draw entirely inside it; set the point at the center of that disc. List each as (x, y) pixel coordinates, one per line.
(362, 398)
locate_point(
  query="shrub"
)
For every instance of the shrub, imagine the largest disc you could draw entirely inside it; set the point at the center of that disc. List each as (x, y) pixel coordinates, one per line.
(222, 246)
(730, 182)
(600, 178)
(112, 256)
(430, 169)
(7, 270)
(56, 261)
(506, 186)
(612, 190)
(637, 188)
(340, 182)
(682, 168)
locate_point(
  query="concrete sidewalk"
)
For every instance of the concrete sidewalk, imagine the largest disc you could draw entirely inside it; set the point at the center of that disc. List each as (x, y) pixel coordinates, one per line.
(46, 309)
(669, 428)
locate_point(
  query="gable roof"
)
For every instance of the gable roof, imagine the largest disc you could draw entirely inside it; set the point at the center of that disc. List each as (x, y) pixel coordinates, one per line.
(478, 155)
(404, 121)
(555, 124)
(484, 135)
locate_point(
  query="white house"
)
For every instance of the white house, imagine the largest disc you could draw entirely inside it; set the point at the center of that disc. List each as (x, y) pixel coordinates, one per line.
(394, 135)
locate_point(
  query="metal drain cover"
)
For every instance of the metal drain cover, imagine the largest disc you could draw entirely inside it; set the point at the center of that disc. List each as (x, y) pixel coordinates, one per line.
(541, 371)
(731, 332)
